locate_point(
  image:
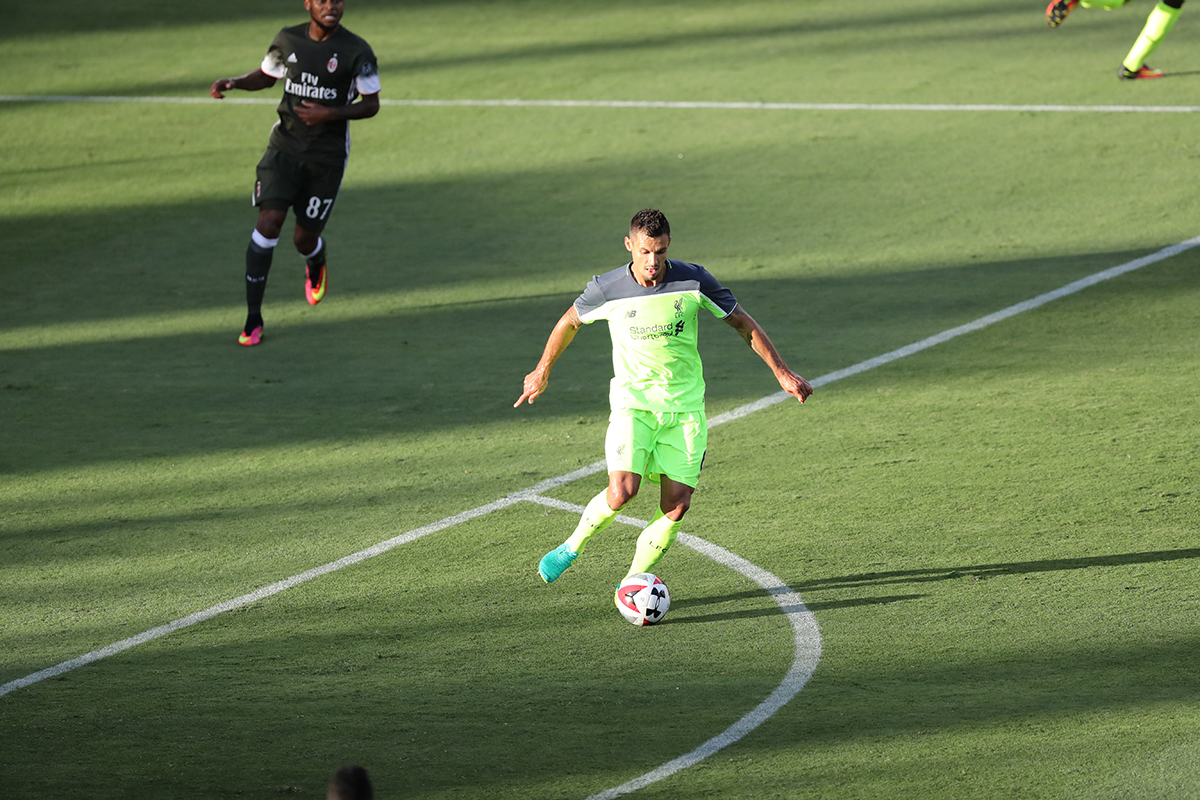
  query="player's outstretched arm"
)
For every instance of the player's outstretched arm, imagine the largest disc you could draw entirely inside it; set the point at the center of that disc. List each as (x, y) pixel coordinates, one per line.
(759, 342)
(250, 82)
(564, 331)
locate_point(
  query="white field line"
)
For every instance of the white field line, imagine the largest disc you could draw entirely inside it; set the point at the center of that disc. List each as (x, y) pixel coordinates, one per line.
(804, 625)
(591, 469)
(255, 596)
(665, 104)
(952, 333)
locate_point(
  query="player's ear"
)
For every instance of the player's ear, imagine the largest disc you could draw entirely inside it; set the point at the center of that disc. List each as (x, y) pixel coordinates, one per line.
(629, 244)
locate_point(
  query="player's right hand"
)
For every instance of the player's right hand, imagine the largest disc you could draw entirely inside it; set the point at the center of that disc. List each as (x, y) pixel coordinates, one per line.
(221, 86)
(534, 385)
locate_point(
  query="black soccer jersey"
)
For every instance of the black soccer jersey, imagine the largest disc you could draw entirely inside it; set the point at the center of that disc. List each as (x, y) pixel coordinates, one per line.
(330, 73)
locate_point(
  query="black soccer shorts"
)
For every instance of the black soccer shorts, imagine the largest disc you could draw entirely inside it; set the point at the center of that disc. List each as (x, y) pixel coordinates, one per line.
(308, 188)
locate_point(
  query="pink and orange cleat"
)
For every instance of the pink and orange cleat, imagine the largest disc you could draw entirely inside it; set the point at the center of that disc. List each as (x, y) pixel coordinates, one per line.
(314, 293)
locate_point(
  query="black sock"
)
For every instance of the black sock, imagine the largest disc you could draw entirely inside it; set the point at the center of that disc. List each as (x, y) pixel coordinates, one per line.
(314, 264)
(258, 264)
(253, 320)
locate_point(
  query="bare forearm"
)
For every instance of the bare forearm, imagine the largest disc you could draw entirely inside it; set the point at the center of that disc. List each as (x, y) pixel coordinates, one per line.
(564, 331)
(365, 108)
(313, 113)
(761, 344)
(754, 335)
(560, 338)
(251, 82)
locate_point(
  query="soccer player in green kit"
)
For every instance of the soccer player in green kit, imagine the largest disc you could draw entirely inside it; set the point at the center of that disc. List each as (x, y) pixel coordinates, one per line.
(1158, 25)
(324, 68)
(657, 426)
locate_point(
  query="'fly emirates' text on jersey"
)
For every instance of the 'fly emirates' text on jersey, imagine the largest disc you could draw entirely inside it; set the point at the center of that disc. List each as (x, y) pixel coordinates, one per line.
(330, 73)
(654, 331)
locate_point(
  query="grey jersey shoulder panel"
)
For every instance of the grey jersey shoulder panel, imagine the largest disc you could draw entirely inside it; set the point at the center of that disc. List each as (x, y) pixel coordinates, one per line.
(618, 284)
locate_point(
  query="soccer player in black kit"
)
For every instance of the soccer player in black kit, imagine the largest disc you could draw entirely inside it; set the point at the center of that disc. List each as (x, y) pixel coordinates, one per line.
(324, 68)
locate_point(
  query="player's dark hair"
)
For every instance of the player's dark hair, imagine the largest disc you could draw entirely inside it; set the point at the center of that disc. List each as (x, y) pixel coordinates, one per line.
(651, 222)
(352, 783)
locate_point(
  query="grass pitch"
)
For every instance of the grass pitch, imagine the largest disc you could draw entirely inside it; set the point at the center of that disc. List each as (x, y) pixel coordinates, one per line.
(997, 536)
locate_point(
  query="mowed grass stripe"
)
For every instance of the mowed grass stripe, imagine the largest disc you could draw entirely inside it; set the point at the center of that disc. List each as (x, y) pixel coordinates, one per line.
(736, 413)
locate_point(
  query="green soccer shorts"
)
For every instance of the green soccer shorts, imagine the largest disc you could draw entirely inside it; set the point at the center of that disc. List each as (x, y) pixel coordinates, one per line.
(653, 443)
(308, 188)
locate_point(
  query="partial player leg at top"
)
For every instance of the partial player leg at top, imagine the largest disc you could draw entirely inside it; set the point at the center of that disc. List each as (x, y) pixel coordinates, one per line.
(1158, 25)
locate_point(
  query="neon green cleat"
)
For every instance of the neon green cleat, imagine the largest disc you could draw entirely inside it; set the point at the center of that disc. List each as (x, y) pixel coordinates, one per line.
(555, 563)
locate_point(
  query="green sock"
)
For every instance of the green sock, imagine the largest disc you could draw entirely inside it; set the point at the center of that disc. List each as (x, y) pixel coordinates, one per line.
(653, 544)
(1107, 5)
(596, 517)
(1158, 25)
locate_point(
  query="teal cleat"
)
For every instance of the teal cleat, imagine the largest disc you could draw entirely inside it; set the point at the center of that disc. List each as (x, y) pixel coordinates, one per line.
(555, 563)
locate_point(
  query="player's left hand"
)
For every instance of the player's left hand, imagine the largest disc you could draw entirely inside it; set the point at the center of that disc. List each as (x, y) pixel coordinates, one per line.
(313, 113)
(795, 385)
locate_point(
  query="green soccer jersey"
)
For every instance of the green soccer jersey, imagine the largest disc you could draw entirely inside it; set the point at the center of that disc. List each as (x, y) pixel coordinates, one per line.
(330, 73)
(654, 331)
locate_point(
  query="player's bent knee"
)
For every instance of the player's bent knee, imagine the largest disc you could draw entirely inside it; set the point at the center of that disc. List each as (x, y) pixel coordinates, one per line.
(620, 497)
(620, 492)
(676, 511)
(305, 240)
(270, 222)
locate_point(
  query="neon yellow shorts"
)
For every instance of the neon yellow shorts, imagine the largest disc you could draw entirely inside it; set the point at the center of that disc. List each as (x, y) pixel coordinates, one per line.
(653, 443)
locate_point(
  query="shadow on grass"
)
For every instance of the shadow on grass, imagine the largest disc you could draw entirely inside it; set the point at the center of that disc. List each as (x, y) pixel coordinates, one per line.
(678, 606)
(417, 370)
(371, 361)
(70, 16)
(983, 571)
(867, 579)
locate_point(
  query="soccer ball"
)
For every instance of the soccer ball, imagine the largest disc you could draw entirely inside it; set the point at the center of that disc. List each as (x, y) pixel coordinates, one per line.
(643, 599)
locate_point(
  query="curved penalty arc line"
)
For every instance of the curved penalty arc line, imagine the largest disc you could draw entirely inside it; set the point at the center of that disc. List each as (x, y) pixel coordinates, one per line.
(806, 637)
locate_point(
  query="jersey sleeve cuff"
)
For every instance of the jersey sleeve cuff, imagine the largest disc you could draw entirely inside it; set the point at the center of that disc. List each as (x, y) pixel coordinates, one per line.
(273, 67)
(368, 85)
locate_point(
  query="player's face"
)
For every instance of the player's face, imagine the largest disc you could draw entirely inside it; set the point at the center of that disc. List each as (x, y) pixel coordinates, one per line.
(325, 13)
(649, 257)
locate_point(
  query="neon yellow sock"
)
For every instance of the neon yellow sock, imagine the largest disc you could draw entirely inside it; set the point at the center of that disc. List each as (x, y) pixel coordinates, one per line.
(1158, 25)
(596, 517)
(1107, 5)
(653, 544)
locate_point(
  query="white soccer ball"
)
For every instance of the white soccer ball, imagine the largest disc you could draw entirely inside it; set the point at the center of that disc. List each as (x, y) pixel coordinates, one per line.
(643, 599)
